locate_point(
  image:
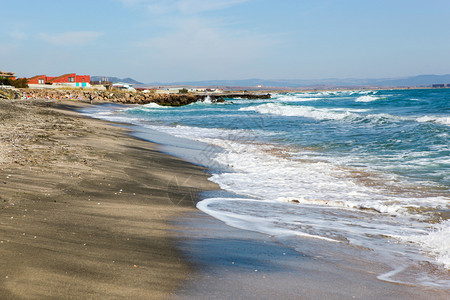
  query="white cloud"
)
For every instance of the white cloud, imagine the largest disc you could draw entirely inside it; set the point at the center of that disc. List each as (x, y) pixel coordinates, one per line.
(197, 6)
(159, 7)
(74, 38)
(195, 45)
(18, 35)
(199, 47)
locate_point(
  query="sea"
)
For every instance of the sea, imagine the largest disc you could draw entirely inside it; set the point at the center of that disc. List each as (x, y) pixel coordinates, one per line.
(362, 174)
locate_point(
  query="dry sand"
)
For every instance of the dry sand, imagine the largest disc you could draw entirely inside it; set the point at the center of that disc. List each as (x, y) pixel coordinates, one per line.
(85, 208)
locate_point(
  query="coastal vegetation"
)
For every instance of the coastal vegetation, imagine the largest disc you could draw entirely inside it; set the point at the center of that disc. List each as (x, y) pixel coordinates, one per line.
(17, 83)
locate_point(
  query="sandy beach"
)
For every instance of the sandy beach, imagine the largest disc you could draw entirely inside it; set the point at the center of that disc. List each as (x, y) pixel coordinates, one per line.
(89, 212)
(85, 208)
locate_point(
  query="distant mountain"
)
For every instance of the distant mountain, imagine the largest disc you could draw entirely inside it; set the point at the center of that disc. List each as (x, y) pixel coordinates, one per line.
(421, 80)
(115, 79)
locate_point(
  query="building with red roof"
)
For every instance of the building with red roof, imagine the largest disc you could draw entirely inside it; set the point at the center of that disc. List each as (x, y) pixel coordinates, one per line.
(71, 79)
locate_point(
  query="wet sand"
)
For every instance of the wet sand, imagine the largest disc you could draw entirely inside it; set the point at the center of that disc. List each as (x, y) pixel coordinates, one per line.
(88, 212)
(237, 264)
(85, 208)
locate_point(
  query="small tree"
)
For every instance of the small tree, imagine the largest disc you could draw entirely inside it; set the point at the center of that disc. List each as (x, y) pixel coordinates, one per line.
(183, 91)
(18, 83)
(5, 81)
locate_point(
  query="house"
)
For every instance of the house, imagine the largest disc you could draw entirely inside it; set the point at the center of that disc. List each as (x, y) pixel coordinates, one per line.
(174, 90)
(38, 79)
(72, 80)
(214, 90)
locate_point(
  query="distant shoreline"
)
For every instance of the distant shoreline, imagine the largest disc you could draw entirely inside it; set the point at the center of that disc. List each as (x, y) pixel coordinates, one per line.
(167, 99)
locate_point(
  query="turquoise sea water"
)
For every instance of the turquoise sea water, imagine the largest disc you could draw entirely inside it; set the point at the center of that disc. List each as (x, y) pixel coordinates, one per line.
(362, 169)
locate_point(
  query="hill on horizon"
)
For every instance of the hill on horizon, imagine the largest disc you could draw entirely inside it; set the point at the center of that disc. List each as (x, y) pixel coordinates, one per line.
(115, 79)
(420, 80)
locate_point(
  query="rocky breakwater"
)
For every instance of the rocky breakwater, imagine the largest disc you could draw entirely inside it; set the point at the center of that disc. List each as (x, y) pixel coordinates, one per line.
(9, 93)
(243, 95)
(122, 97)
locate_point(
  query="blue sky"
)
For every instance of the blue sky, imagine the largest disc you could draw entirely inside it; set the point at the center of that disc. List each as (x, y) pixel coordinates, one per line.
(186, 40)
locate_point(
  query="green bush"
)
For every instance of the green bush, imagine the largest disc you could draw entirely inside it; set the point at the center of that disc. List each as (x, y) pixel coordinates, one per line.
(183, 91)
(18, 83)
(5, 81)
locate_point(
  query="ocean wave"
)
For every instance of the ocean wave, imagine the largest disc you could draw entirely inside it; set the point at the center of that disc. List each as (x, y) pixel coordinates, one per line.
(149, 107)
(367, 98)
(436, 242)
(252, 220)
(295, 98)
(435, 119)
(367, 92)
(270, 175)
(365, 230)
(154, 105)
(323, 114)
(297, 111)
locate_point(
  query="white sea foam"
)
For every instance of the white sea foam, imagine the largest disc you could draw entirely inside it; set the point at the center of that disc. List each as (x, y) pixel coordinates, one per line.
(113, 116)
(295, 98)
(367, 98)
(363, 229)
(250, 220)
(207, 100)
(367, 92)
(435, 119)
(261, 174)
(154, 105)
(338, 114)
(265, 173)
(436, 242)
(297, 111)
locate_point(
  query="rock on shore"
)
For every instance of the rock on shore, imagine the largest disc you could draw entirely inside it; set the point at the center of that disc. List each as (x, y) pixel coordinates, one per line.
(123, 97)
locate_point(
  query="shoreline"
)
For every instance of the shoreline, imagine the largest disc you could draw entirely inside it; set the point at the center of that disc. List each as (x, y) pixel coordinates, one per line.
(232, 263)
(190, 262)
(86, 207)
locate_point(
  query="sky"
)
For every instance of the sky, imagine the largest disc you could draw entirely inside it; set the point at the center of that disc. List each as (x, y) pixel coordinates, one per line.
(190, 40)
